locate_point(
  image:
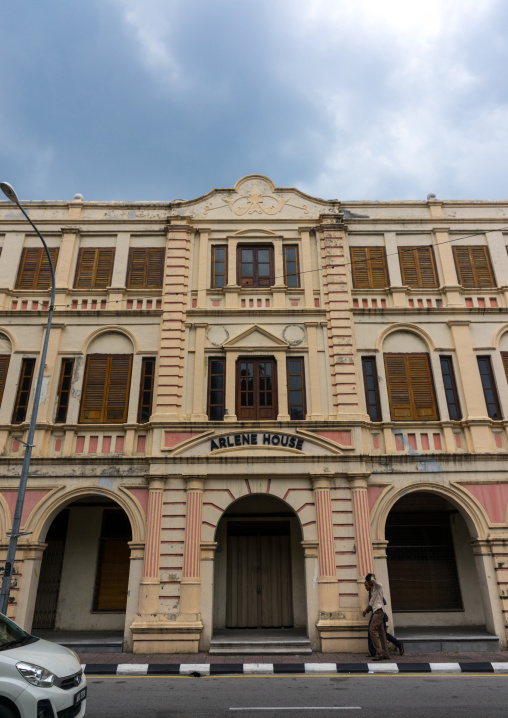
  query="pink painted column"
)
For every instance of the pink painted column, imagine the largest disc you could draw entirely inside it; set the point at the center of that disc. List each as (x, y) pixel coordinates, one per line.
(150, 582)
(190, 585)
(363, 538)
(328, 585)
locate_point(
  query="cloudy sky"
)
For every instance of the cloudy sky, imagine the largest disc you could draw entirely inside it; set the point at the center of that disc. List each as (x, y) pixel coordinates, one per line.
(166, 99)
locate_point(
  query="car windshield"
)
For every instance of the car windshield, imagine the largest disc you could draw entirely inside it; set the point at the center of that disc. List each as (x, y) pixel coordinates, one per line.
(10, 633)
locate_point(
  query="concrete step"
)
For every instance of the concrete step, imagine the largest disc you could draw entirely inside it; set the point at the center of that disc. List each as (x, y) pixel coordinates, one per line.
(275, 642)
(85, 641)
(447, 640)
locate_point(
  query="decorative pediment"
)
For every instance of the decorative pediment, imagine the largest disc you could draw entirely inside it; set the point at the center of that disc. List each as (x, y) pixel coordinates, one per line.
(256, 338)
(255, 197)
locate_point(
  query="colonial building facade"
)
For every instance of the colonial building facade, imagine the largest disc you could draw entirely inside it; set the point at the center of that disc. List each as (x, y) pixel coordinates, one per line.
(251, 400)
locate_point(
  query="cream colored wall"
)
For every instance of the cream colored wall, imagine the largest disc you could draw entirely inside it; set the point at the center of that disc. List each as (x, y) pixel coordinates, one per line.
(75, 601)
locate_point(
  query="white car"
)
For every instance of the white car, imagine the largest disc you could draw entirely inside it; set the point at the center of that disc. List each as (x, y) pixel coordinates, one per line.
(38, 679)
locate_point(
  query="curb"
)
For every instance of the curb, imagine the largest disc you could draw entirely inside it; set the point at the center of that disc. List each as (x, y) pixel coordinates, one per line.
(197, 670)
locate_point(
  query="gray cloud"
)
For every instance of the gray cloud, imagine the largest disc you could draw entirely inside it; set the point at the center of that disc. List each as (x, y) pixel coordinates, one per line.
(163, 99)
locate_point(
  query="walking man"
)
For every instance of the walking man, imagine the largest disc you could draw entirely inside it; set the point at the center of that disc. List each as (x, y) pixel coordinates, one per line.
(376, 629)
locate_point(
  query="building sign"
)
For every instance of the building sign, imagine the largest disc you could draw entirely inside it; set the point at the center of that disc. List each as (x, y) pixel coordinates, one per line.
(265, 439)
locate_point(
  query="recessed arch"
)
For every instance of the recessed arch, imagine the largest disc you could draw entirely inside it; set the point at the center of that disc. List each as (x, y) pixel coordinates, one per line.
(115, 329)
(404, 327)
(7, 338)
(44, 514)
(470, 510)
(500, 338)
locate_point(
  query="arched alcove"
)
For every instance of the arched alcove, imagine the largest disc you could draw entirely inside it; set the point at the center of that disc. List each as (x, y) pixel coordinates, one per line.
(259, 571)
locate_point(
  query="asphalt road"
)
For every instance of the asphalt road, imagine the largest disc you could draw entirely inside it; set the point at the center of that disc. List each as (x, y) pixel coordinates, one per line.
(397, 696)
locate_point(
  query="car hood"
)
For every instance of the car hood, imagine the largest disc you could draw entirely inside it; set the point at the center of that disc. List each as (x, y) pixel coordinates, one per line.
(52, 656)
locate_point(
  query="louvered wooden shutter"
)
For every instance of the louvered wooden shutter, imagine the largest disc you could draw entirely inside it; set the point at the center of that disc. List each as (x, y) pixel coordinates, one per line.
(473, 266)
(422, 389)
(104, 268)
(118, 388)
(94, 388)
(369, 267)
(34, 271)
(398, 387)
(4, 365)
(94, 268)
(418, 267)
(504, 357)
(410, 387)
(106, 389)
(146, 268)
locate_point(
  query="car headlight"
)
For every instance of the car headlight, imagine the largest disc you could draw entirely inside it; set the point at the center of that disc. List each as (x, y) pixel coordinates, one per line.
(36, 675)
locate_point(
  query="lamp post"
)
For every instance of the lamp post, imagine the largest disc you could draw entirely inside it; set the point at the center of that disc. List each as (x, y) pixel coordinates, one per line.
(9, 192)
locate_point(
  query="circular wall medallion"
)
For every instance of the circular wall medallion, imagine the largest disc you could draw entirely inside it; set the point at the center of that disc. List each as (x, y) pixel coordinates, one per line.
(217, 335)
(294, 334)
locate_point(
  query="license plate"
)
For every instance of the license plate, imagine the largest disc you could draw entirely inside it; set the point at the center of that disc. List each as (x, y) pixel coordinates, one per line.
(80, 696)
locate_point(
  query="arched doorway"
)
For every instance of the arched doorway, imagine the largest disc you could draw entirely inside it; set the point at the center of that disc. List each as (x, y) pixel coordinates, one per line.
(259, 570)
(84, 575)
(431, 566)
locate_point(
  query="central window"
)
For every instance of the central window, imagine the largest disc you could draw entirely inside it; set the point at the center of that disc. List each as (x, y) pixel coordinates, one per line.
(255, 266)
(256, 389)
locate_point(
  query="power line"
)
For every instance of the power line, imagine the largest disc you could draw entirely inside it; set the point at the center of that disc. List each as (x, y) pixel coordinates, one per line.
(282, 276)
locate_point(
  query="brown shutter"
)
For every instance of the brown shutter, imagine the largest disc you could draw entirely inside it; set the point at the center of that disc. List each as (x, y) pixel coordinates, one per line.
(34, 272)
(104, 268)
(418, 267)
(504, 357)
(136, 271)
(397, 383)
(113, 575)
(43, 281)
(369, 267)
(410, 388)
(422, 389)
(118, 388)
(155, 268)
(483, 270)
(85, 269)
(4, 365)
(473, 267)
(94, 268)
(94, 389)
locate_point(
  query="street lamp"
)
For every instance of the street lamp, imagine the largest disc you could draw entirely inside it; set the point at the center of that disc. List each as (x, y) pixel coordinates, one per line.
(9, 192)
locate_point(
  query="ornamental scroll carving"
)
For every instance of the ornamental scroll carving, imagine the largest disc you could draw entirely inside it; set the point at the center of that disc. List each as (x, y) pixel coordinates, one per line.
(255, 202)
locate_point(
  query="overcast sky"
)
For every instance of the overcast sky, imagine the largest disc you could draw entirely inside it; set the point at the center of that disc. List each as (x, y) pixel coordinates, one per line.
(166, 99)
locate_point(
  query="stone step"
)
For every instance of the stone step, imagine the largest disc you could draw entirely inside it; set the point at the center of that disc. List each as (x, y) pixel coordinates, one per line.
(451, 645)
(224, 646)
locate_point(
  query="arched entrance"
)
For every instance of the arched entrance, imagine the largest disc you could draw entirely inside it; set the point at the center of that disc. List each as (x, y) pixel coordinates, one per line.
(259, 578)
(84, 575)
(431, 566)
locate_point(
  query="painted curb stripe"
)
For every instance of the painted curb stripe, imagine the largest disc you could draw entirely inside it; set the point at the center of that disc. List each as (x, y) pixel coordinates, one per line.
(218, 669)
(109, 669)
(414, 668)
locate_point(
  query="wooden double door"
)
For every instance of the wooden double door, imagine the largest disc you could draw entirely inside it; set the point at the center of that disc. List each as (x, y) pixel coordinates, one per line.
(259, 582)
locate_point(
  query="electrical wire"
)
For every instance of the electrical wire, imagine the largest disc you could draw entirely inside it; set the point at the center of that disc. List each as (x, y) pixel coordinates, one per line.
(284, 276)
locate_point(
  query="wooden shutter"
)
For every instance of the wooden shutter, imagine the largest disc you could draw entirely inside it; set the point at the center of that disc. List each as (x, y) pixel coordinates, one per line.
(418, 267)
(504, 357)
(23, 393)
(94, 269)
(118, 388)
(104, 268)
(4, 366)
(410, 387)
(397, 383)
(369, 267)
(113, 575)
(422, 389)
(34, 271)
(94, 388)
(473, 267)
(146, 268)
